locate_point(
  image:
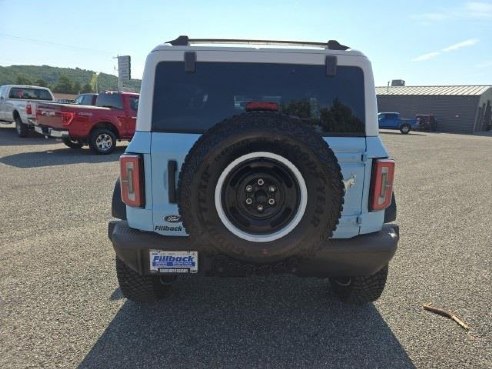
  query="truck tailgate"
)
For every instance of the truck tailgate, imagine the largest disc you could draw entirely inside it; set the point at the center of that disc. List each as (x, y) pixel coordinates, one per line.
(51, 115)
(63, 115)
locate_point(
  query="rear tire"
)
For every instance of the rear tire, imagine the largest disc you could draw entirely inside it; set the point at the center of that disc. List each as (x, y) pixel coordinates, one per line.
(102, 141)
(140, 288)
(362, 289)
(73, 144)
(405, 129)
(21, 128)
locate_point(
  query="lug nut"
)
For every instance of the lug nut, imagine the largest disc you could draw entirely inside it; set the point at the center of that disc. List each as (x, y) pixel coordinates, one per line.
(261, 182)
(249, 201)
(271, 201)
(272, 189)
(259, 207)
(249, 188)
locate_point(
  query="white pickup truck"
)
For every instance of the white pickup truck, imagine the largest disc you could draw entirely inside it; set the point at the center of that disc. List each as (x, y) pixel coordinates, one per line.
(18, 104)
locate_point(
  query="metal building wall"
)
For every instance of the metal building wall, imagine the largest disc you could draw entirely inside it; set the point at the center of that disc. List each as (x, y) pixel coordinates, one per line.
(483, 121)
(453, 113)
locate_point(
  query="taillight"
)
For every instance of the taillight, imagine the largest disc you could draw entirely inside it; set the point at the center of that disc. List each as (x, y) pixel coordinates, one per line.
(261, 106)
(67, 117)
(383, 172)
(29, 109)
(132, 180)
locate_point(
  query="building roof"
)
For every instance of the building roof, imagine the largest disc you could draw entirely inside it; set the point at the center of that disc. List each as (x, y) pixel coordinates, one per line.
(472, 90)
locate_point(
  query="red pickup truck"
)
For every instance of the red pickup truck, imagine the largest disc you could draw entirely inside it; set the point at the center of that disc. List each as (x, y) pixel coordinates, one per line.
(112, 118)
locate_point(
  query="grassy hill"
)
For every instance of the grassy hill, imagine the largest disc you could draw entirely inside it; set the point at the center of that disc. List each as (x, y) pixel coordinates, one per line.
(78, 78)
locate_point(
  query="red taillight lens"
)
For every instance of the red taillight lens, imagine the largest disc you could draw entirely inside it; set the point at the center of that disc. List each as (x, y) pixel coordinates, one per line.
(29, 109)
(383, 172)
(67, 117)
(131, 180)
(261, 106)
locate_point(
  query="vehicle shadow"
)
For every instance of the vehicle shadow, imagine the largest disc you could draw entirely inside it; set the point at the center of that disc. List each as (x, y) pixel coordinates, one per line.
(9, 137)
(282, 321)
(59, 157)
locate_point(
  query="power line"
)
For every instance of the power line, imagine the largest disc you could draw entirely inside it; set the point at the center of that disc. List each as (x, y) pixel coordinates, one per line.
(27, 39)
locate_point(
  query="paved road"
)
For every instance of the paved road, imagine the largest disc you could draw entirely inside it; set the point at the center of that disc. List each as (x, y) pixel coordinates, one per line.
(60, 305)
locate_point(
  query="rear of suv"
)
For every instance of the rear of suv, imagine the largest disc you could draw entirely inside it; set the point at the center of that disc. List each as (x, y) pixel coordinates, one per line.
(251, 160)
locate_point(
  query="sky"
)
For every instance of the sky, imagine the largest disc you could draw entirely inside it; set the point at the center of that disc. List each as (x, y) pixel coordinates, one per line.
(438, 42)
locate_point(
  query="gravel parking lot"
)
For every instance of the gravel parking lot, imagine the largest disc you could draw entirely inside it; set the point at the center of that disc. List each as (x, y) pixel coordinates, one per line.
(60, 305)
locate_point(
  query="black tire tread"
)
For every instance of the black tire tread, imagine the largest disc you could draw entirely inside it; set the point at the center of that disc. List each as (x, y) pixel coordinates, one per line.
(23, 130)
(362, 289)
(71, 143)
(276, 123)
(139, 288)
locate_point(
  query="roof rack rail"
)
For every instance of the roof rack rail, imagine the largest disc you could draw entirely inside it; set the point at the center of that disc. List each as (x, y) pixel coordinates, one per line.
(186, 41)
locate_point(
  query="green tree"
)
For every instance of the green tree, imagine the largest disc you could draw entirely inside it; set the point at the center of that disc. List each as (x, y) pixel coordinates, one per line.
(41, 82)
(64, 85)
(87, 88)
(23, 80)
(76, 88)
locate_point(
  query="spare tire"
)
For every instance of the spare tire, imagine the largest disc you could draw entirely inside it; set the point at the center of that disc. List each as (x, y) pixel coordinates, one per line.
(261, 187)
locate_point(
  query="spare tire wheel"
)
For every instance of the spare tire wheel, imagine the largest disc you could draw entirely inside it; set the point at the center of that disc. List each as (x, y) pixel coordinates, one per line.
(261, 187)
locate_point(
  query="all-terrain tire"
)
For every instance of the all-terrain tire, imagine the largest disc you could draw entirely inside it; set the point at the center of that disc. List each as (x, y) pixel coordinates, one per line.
(278, 159)
(362, 289)
(102, 141)
(73, 144)
(139, 288)
(21, 128)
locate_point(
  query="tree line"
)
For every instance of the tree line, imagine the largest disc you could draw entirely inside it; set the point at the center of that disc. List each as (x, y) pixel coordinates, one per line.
(63, 80)
(64, 85)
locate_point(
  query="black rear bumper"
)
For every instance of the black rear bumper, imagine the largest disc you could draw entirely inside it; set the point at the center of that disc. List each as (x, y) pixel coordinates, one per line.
(361, 255)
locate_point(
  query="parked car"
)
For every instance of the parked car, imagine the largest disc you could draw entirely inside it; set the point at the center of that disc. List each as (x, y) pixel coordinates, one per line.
(18, 104)
(255, 161)
(65, 101)
(112, 118)
(392, 120)
(426, 122)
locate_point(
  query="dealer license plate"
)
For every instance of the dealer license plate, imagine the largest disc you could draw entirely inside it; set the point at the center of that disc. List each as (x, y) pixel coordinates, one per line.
(173, 261)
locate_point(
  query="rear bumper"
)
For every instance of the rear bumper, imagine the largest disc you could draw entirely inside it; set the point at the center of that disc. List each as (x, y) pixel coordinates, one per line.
(51, 132)
(362, 255)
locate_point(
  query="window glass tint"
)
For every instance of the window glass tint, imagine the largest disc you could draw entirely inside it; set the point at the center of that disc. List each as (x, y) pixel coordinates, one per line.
(109, 101)
(194, 102)
(134, 103)
(87, 99)
(29, 94)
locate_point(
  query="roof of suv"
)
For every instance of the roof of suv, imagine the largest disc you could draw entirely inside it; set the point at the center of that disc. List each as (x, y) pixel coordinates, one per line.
(331, 47)
(189, 51)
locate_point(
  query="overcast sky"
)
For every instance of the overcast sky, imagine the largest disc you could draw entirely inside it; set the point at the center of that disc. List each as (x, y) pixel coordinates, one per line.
(439, 42)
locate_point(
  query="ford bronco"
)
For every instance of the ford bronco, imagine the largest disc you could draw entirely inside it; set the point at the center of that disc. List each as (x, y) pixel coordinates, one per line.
(255, 160)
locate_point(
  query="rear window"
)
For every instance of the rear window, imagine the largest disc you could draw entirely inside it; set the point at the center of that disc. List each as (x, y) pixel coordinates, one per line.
(109, 101)
(194, 102)
(29, 93)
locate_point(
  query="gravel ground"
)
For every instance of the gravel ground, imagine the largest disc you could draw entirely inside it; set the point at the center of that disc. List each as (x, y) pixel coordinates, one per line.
(60, 305)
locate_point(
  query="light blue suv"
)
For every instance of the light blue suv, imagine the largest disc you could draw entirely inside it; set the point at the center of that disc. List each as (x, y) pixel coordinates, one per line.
(251, 160)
